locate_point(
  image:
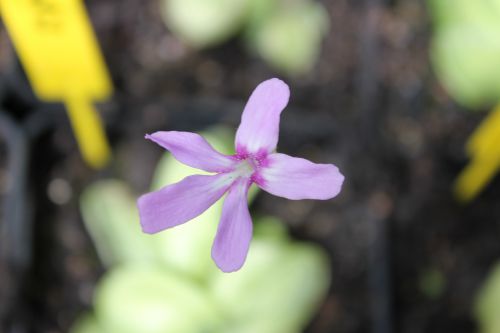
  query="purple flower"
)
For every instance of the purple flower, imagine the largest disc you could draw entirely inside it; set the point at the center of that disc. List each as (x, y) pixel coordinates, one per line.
(254, 162)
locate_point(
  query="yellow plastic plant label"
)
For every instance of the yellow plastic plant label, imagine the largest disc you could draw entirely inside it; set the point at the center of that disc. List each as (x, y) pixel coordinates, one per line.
(59, 52)
(484, 149)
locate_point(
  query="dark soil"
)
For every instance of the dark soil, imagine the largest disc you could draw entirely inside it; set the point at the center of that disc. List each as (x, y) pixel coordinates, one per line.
(371, 106)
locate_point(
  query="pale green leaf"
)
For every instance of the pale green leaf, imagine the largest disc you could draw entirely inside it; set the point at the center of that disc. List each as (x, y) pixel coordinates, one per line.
(465, 49)
(204, 23)
(151, 300)
(110, 215)
(488, 303)
(290, 39)
(86, 324)
(277, 290)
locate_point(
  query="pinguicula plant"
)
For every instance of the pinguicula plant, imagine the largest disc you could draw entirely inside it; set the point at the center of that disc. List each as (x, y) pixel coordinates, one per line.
(255, 162)
(286, 34)
(465, 53)
(167, 282)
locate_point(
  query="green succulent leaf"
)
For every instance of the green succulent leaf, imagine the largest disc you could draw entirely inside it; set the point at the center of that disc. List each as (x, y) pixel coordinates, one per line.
(465, 49)
(277, 291)
(151, 300)
(204, 23)
(111, 217)
(488, 303)
(453, 12)
(86, 323)
(290, 37)
(278, 288)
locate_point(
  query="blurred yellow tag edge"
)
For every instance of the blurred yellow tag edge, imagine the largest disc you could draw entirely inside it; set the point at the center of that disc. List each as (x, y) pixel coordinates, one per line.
(57, 47)
(483, 148)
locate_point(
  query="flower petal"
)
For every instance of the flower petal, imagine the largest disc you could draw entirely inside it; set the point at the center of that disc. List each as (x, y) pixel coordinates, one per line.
(180, 202)
(234, 233)
(259, 128)
(297, 178)
(192, 149)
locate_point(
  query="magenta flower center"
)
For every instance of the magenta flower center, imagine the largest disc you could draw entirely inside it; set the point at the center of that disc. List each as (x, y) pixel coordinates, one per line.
(249, 165)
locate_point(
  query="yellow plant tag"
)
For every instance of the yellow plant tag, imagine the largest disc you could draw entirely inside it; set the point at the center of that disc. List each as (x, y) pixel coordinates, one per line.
(59, 52)
(88, 131)
(484, 149)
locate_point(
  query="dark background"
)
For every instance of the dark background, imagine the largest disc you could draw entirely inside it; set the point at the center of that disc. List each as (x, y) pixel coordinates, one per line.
(372, 106)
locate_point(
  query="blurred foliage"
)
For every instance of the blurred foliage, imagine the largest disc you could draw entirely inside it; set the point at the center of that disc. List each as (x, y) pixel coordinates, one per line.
(203, 23)
(488, 303)
(289, 38)
(432, 283)
(287, 34)
(465, 49)
(168, 283)
(465, 53)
